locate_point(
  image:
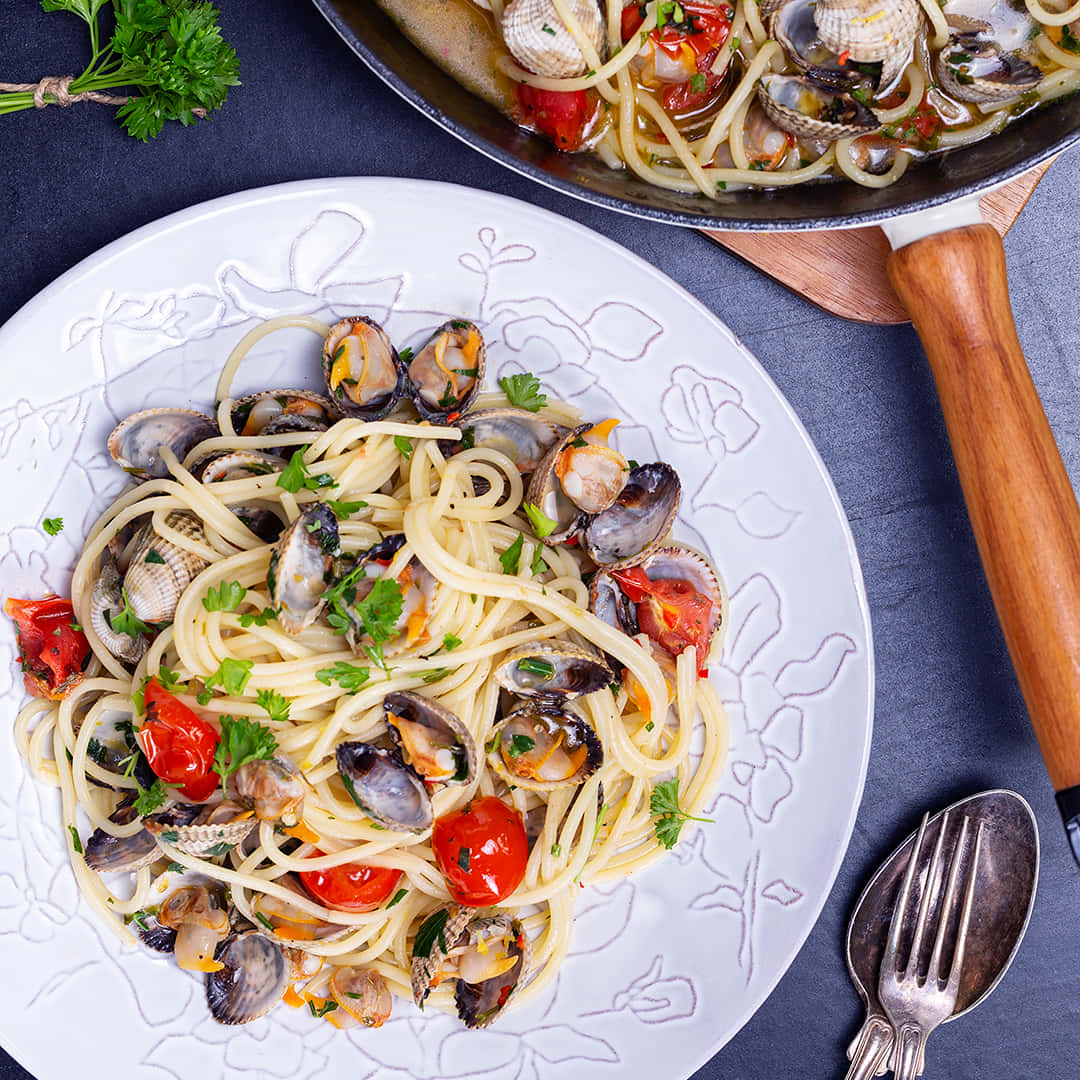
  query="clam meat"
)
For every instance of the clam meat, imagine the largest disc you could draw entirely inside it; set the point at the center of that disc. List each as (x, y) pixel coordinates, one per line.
(543, 747)
(364, 374)
(434, 743)
(362, 996)
(273, 788)
(300, 565)
(446, 374)
(274, 412)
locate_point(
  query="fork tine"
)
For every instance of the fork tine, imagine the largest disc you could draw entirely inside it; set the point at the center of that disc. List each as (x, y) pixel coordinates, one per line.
(965, 917)
(934, 971)
(888, 961)
(934, 873)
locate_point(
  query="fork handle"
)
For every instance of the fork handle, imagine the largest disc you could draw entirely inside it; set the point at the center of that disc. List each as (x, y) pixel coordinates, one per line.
(909, 1060)
(870, 1051)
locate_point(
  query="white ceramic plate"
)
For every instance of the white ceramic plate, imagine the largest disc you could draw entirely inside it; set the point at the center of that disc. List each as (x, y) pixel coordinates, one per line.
(666, 966)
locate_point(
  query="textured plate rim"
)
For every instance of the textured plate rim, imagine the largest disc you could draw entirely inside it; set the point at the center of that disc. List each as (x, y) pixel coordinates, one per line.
(355, 187)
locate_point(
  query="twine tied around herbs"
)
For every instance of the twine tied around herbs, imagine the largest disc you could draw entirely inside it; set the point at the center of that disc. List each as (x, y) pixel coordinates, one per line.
(57, 87)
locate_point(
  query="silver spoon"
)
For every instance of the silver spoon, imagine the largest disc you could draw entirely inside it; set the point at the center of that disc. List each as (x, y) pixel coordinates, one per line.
(1001, 908)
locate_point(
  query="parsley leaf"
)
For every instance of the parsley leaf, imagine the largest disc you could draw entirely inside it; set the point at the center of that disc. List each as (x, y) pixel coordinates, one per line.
(434, 675)
(450, 642)
(511, 557)
(698, 82)
(274, 702)
(521, 744)
(232, 676)
(541, 523)
(523, 391)
(670, 817)
(76, 843)
(154, 556)
(260, 619)
(242, 740)
(342, 510)
(295, 476)
(397, 898)
(430, 931)
(404, 446)
(225, 597)
(151, 798)
(538, 563)
(380, 610)
(53, 525)
(127, 622)
(349, 677)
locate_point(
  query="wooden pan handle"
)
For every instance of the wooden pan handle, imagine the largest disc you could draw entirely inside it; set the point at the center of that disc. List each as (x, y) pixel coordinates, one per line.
(1021, 504)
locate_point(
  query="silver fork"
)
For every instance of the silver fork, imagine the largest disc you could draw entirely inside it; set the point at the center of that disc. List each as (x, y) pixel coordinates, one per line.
(917, 1007)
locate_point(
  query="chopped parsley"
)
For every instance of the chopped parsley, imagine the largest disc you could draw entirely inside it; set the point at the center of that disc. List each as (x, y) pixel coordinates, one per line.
(76, 843)
(669, 816)
(53, 525)
(232, 676)
(348, 676)
(538, 563)
(698, 82)
(274, 702)
(242, 740)
(541, 523)
(511, 557)
(434, 675)
(548, 29)
(342, 510)
(296, 476)
(450, 642)
(556, 850)
(523, 391)
(431, 930)
(96, 751)
(463, 856)
(261, 618)
(520, 744)
(151, 798)
(397, 898)
(225, 597)
(127, 622)
(153, 556)
(404, 446)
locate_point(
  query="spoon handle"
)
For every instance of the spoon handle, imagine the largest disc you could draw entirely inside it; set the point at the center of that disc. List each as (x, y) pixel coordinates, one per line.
(870, 1051)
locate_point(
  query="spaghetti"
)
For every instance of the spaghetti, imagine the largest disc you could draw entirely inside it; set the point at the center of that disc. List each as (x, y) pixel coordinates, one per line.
(495, 590)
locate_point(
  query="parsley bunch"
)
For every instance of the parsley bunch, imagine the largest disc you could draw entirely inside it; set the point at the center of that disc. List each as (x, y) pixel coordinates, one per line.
(169, 54)
(669, 817)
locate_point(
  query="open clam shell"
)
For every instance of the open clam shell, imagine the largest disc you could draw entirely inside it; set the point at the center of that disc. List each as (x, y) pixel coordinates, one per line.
(273, 788)
(160, 571)
(639, 519)
(434, 937)
(546, 493)
(300, 565)
(217, 829)
(809, 111)
(869, 31)
(524, 437)
(560, 670)
(974, 67)
(542, 747)
(446, 374)
(237, 465)
(273, 412)
(251, 981)
(106, 602)
(432, 740)
(384, 787)
(135, 441)
(539, 40)
(364, 374)
(190, 918)
(480, 1002)
(117, 854)
(362, 995)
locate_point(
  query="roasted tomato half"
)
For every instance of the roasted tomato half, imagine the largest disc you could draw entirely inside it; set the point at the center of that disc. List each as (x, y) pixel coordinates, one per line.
(53, 651)
(563, 116)
(179, 744)
(481, 850)
(351, 886)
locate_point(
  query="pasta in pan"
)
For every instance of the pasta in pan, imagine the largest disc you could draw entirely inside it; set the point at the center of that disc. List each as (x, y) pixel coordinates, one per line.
(383, 718)
(711, 96)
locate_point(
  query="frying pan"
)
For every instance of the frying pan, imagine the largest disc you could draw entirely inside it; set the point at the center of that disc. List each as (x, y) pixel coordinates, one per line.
(948, 268)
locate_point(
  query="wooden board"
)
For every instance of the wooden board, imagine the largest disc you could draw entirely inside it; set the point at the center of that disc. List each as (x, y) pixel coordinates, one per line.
(843, 270)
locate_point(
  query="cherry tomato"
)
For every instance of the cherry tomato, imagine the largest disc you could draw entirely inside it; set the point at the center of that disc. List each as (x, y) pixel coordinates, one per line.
(481, 850)
(179, 744)
(52, 652)
(704, 29)
(917, 129)
(560, 115)
(350, 886)
(672, 612)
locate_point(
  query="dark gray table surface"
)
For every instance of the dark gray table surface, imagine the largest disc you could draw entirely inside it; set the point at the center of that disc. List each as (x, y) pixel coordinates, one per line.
(949, 718)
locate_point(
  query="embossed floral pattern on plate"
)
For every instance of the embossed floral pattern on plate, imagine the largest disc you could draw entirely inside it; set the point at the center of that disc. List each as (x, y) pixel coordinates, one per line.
(665, 966)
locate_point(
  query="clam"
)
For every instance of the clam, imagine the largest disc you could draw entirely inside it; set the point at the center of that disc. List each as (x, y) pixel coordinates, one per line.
(434, 743)
(560, 670)
(869, 32)
(252, 978)
(487, 955)
(134, 442)
(809, 111)
(237, 465)
(974, 67)
(116, 854)
(543, 747)
(547, 494)
(540, 42)
(384, 787)
(264, 523)
(524, 437)
(687, 571)
(194, 909)
(590, 473)
(362, 996)
(156, 576)
(639, 519)
(299, 567)
(273, 788)
(363, 371)
(289, 921)
(217, 829)
(446, 374)
(273, 412)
